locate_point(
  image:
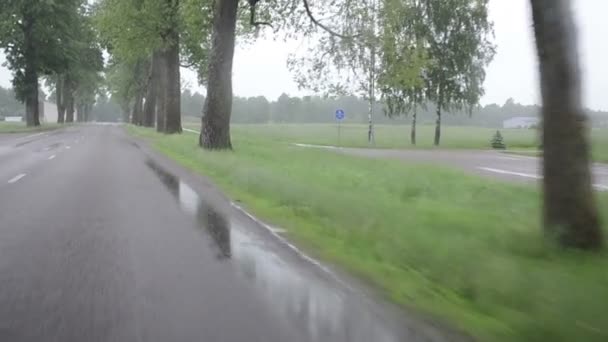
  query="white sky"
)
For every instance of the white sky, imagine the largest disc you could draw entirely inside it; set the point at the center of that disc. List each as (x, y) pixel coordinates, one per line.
(260, 68)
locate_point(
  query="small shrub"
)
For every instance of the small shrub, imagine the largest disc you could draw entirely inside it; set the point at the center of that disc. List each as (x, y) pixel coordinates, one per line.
(498, 141)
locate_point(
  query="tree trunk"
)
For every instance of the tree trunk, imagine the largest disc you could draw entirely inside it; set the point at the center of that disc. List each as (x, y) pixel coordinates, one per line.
(161, 103)
(32, 108)
(136, 117)
(69, 102)
(413, 130)
(125, 112)
(371, 94)
(152, 92)
(79, 113)
(438, 126)
(570, 212)
(215, 123)
(59, 98)
(87, 112)
(30, 76)
(173, 118)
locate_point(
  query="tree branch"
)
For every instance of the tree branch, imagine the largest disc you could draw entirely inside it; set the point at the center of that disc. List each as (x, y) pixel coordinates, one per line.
(252, 18)
(319, 24)
(252, 21)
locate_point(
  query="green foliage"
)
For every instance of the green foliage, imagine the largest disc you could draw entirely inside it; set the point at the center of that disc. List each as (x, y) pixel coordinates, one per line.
(446, 42)
(32, 32)
(196, 16)
(497, 141)
(9, 105)
(341, 65)
(437, 240)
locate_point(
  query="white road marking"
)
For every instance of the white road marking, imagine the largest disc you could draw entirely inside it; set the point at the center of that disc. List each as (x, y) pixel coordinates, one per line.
(67, 147)
(597, 186)
(33, 135)
(52, 157)
(296, 250)
(16, 178)
(513, 173)
(508, 158)
(316, 146)
(190, 130)
(601, 187)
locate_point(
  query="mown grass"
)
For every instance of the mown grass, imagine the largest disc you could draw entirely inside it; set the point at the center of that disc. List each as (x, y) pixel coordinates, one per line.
(397, 136)
(464, 249)
(20, 127)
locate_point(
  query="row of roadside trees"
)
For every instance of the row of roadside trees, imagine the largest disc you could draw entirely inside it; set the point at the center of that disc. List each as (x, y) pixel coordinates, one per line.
(405, 52)
(55, 41)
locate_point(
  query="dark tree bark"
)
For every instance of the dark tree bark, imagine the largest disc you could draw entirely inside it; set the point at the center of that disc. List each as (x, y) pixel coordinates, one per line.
(32, 114)
(59, 98)
(215, 130)
(438, 126)
(570, 212)
(173, 114)
(161, 99)
(85, 112)
(152, 92)
(80, 113)
(32, 109)
(69, 98)
(136, 116)
(125, 112)
(413, 129)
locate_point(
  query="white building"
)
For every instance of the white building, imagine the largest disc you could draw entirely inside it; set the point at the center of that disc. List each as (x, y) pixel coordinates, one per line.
(521, 122)
(49, 112)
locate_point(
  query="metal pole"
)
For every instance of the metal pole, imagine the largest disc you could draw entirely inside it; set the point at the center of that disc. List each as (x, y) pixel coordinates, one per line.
(339, 133)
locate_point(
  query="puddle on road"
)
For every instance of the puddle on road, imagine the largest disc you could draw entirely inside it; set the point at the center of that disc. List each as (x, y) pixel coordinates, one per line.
(322, 311)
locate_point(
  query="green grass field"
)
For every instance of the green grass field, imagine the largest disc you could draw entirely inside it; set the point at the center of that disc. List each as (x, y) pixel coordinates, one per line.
(20, 127)
(466, 250)
(397, 136)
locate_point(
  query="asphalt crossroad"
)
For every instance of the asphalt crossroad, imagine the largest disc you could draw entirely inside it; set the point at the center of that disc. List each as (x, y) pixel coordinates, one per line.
(101, 239)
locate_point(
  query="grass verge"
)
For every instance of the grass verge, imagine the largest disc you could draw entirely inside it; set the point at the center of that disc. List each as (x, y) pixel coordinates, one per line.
(397, 136)
(465, 249)
(20, 127)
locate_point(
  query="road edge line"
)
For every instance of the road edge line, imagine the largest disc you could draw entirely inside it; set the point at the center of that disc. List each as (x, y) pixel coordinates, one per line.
(291, 246)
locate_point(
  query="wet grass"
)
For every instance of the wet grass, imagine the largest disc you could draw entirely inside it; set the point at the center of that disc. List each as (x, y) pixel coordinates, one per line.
(397, 136)
(20, 127)
(464, 249)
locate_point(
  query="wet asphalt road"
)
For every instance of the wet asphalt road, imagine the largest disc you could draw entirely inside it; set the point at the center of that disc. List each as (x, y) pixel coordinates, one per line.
(102, 239)
(492, 164)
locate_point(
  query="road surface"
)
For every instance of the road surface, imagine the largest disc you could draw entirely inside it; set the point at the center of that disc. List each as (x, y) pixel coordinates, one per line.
(494, 164)
(102, 239)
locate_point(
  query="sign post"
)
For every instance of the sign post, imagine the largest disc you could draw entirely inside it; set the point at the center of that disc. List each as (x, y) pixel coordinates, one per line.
(339, 117)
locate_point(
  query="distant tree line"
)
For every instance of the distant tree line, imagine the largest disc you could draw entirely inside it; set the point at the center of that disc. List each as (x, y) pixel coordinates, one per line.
(319, 109)
(311, 109)
(9, 105)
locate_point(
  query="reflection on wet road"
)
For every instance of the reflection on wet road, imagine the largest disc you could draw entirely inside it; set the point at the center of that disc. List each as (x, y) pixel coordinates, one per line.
(320, 310)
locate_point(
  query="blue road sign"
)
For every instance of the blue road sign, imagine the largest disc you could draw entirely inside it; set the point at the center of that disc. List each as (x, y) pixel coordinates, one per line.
(339, 114)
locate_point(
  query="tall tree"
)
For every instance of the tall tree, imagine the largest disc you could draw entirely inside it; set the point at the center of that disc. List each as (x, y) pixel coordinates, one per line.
(403, 60)
(346, 62)
(457, 34)
(215, 123)
(215, 130)
(142, 29)
(570, 212)
(31, 34)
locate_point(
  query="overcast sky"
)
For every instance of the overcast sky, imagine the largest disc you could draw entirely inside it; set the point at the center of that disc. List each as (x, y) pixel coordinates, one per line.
(260, 69)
